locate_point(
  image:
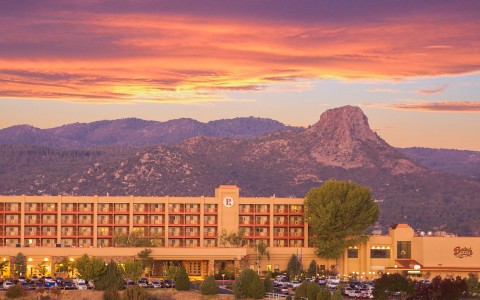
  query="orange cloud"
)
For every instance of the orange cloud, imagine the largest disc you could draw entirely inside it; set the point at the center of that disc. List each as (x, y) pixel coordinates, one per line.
(160, 55)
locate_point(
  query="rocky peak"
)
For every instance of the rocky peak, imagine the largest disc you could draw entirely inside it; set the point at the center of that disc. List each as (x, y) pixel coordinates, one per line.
(346, 123)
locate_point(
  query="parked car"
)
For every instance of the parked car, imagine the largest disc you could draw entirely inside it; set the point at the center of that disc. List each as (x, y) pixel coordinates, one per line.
(295, 284)
(67, 285)
(322, 280)
(90, 285)
(143, 282)
(332, 285)
(157, 284)
(80, 284)
(169, 283)
(7, 284)
(333, 279)
(50, 284)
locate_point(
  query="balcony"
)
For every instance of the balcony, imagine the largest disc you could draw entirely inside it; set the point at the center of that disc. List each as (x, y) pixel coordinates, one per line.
(296, 211)
(156, 222)
(211, 222)
(139, 222)
(192, 222)
(193, 233)
(246, 210)
(262, 222)
(176, 210)
(210, 210)
(296, 223)
(49, 222)
(263, 211)
(193, 210)
(210, 233)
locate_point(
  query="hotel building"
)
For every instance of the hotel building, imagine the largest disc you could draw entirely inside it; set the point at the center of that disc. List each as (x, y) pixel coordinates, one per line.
(50, 228)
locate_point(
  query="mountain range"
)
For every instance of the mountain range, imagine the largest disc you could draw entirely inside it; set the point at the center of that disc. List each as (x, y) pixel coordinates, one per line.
(263, 157)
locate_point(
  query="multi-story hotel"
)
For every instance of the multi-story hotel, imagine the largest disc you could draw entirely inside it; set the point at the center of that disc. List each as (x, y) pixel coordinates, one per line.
(50, 228)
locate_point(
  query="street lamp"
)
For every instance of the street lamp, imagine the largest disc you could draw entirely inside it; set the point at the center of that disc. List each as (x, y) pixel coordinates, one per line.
(223, 277)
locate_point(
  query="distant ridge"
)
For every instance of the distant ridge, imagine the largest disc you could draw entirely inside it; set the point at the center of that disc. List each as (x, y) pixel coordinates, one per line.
(135, 132)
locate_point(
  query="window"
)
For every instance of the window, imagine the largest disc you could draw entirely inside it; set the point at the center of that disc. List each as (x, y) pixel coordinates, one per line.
(352, 253)
(379, 253)
(404, 249)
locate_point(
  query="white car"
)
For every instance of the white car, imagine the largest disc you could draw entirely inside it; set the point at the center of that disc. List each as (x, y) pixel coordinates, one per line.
(295, 284)
(156, 284)
(333, 279)
(7, 284)
(332, 285)
(80, 284)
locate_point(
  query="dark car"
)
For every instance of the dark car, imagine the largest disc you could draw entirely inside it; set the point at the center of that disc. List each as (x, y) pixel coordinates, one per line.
(169, 283)
(59, 280)
(49, 284)
(68, 285)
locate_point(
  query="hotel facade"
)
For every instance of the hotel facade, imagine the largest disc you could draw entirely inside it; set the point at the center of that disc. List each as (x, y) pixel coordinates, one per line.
(48, 229)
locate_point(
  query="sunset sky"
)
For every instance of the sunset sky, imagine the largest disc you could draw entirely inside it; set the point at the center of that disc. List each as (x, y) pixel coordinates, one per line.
(412, 66)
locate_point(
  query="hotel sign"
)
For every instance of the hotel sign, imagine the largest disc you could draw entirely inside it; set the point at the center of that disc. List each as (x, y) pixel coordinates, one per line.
(462, 252)
(228, 201)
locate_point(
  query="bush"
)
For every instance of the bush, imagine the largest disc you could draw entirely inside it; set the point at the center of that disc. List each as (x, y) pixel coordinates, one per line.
(288, 298)
(324, 294)
(209, 286)
(256, 290)
(301, 290)
(15, 291)
(111, 279)
(111, 294)
(337, 295)
(242, 288)
(267, 282)
(135, 293)
(312, 290)
(182, 282)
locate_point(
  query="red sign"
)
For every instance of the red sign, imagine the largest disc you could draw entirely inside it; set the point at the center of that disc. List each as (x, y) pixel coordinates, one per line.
(462, 252)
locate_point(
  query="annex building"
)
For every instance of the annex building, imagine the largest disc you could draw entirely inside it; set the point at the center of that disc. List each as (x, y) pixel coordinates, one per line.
(46, 229)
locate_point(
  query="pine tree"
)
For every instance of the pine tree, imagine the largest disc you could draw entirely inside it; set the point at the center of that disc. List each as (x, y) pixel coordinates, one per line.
(312, 268)
(256, 289)
(324, 294)
(209, 286)
(301, 290)
(312, 290)
(337, 295)
(111, 279)
(182, 282)
(242, 284)
(267, 282)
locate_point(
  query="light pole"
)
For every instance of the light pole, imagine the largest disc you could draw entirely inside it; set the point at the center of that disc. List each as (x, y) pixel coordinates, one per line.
(223, 278)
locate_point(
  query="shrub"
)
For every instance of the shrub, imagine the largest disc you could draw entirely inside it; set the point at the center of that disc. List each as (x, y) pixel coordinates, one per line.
(15, 291)
(267, 282)
(111, 294)
(135, 293)
(111, 279)
(337, 295)
(289, 298)
(301, 290)
(209, 286)
(242, 286)
(256, 290)
(324, 294)
(182, 282)
(312, 290)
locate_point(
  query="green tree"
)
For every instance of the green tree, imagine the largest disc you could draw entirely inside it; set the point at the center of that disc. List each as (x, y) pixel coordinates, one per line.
(294, 267)
(171, 272)
(312, 269)
(241, 286)
(111, 279)
(448, 288)
(256, 289)
(392, 283)
(340, 214)
(132, 269)
(89, 268)
(312, 290)
(324, 294)
(19, 265)
(232, 239)
(267, 283)
(473, 284)
(146, 259)
(182, 282)
(261, 250)
(337, 295)
(301, 291)
(209, 286)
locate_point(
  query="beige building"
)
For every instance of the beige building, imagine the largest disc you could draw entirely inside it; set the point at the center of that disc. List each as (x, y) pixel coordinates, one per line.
(48, 228)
